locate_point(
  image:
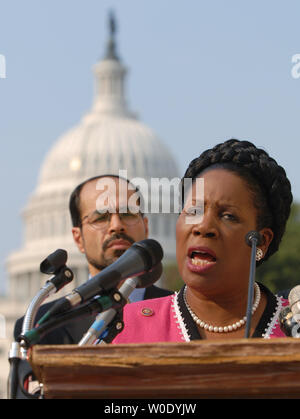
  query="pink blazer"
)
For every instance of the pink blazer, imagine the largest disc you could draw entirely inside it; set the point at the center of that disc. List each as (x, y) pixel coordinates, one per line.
(160, 320)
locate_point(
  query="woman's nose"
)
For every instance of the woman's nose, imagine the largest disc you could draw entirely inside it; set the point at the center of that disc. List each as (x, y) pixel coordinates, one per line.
(207, 226)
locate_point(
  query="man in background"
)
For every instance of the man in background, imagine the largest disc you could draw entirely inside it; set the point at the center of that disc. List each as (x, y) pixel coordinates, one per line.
(106, 222)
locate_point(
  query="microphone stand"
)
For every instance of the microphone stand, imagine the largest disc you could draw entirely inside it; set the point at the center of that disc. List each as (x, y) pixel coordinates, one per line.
(17, 357)
(98, 332)
(107, 325)
(112, 318)
(17, 351)
(253, 238)
(92, 307)
(51, 287)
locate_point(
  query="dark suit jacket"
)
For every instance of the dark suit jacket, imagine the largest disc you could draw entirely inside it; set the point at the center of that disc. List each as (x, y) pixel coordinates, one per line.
(284, 293)
(73, 331)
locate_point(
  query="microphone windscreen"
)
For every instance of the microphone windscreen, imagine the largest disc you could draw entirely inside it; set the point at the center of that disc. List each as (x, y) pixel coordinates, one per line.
(151, 250)
(150, 277)
(253, 235)
(294, 298)
(286, 321)
(54, 262)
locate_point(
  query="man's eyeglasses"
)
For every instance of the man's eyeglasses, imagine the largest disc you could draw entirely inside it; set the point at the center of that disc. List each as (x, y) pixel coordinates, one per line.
(101, 221)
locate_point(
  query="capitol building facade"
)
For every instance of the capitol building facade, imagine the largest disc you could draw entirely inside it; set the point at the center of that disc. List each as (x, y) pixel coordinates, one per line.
(109, 138)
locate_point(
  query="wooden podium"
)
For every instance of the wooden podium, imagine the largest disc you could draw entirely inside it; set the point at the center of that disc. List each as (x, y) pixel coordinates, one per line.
(244, 368)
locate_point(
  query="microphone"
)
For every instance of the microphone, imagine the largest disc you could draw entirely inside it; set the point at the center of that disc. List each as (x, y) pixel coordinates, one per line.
(92, 307)
(114, 301)
(294, 301)
(253, 238)
(289, 326)
(289, 317)
(104, 319)
(139, 258)
(55, 264)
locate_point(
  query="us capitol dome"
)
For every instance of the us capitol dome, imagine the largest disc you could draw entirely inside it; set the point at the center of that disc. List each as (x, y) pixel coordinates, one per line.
(108, 138)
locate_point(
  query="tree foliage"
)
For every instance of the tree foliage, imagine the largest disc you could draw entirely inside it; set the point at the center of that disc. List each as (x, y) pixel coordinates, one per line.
(282, 270)
(172, 279)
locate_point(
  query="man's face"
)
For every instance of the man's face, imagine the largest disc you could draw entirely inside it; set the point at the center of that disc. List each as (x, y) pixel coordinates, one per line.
(103, 238)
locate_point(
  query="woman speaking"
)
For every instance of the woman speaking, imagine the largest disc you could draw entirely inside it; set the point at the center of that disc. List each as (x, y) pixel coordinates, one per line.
(244, 190)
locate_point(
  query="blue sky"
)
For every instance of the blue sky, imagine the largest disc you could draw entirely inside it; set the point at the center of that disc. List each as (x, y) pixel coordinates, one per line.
(199, 72)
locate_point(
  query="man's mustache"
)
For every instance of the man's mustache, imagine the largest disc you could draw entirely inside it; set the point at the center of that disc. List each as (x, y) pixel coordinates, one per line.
(117, 236)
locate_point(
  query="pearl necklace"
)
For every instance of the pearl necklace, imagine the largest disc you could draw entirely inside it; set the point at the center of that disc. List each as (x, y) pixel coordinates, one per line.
(221, 329)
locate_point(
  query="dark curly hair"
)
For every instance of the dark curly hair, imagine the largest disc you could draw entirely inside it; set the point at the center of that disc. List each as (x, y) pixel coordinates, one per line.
(267, 181)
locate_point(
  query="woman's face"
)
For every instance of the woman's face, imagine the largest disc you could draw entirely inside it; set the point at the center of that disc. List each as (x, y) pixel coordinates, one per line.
(212, 253)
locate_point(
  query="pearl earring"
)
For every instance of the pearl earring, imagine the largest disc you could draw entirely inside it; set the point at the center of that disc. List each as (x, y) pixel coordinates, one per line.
(259, 254)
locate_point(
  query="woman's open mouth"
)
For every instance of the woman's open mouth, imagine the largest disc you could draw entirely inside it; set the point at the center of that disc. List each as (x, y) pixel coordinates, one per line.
(200, 259)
